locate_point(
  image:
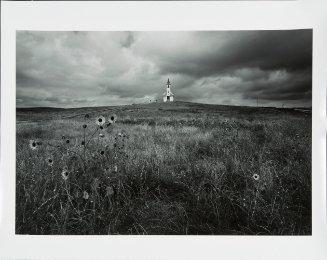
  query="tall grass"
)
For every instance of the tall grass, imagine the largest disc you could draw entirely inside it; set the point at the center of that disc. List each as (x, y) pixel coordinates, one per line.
(178, 173)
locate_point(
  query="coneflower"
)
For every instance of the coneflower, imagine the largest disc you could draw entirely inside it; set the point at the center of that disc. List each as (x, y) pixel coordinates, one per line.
(64, 174)
(100, 121)
(33, 145)
(112, 120)
(256, 177)
(49, 161)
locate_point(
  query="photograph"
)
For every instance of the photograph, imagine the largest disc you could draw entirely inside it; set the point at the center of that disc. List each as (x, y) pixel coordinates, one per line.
(164, 132)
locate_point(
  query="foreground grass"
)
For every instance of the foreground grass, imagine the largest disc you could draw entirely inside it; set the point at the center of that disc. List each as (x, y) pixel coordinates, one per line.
(182, 171)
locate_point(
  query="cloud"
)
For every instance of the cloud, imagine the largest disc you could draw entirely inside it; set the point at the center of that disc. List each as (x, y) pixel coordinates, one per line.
(221, 67)
(52, 99)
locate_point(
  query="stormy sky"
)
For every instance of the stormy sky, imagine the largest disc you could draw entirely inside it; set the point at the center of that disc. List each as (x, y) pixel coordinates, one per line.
(78, 69)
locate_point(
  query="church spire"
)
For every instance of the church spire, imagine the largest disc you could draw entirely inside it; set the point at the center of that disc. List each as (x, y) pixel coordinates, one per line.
(168, 96)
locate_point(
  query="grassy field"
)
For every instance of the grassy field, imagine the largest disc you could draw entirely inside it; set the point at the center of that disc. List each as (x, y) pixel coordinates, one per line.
(163, 168)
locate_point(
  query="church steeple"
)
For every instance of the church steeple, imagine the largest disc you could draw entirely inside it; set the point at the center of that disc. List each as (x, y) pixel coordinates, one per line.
(168, 96)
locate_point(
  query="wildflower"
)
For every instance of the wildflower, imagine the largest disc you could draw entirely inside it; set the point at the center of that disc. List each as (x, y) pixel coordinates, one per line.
(256, 177)
(58, 146)
(64, 175)
(87, 116)
(115, 145)
(67, 141)
(84, 126)
(102, 152)
(101, 127)
(115, 169)
(49, 161)
(100, 121)
(83, 143)
(101, 135)
(33, 144)
(110, 191)
(85, 195)
(63, 137)
(119, 134)
(112, 120)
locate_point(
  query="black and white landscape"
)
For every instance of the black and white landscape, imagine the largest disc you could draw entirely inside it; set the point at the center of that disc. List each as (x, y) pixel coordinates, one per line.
(106, 144)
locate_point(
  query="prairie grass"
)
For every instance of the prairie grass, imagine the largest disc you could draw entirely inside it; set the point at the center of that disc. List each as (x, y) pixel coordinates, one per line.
(178, 168)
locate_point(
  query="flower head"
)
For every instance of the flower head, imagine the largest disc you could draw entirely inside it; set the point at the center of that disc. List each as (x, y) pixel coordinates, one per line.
(101, 135)
(64, 174)
(112, 119)
(256, 177)
(84, 126)
(67, 141)
(102, 152)
(49, 161)
(33, 144)
(100, 121)
(83, 143)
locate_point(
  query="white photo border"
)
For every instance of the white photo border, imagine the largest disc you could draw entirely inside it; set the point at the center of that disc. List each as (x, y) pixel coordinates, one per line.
(161, 16)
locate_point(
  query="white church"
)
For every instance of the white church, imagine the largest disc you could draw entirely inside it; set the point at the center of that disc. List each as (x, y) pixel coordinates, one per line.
(168, 95)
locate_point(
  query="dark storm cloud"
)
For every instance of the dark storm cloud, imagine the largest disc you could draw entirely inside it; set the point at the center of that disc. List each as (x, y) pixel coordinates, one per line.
(111, 68)
(229, 51)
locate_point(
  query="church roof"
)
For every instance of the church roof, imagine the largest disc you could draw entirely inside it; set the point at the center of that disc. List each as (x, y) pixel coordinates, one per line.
(171, 94)
(168, 83)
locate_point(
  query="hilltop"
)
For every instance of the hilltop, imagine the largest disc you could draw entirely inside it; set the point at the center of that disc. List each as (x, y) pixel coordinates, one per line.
(151, 109)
